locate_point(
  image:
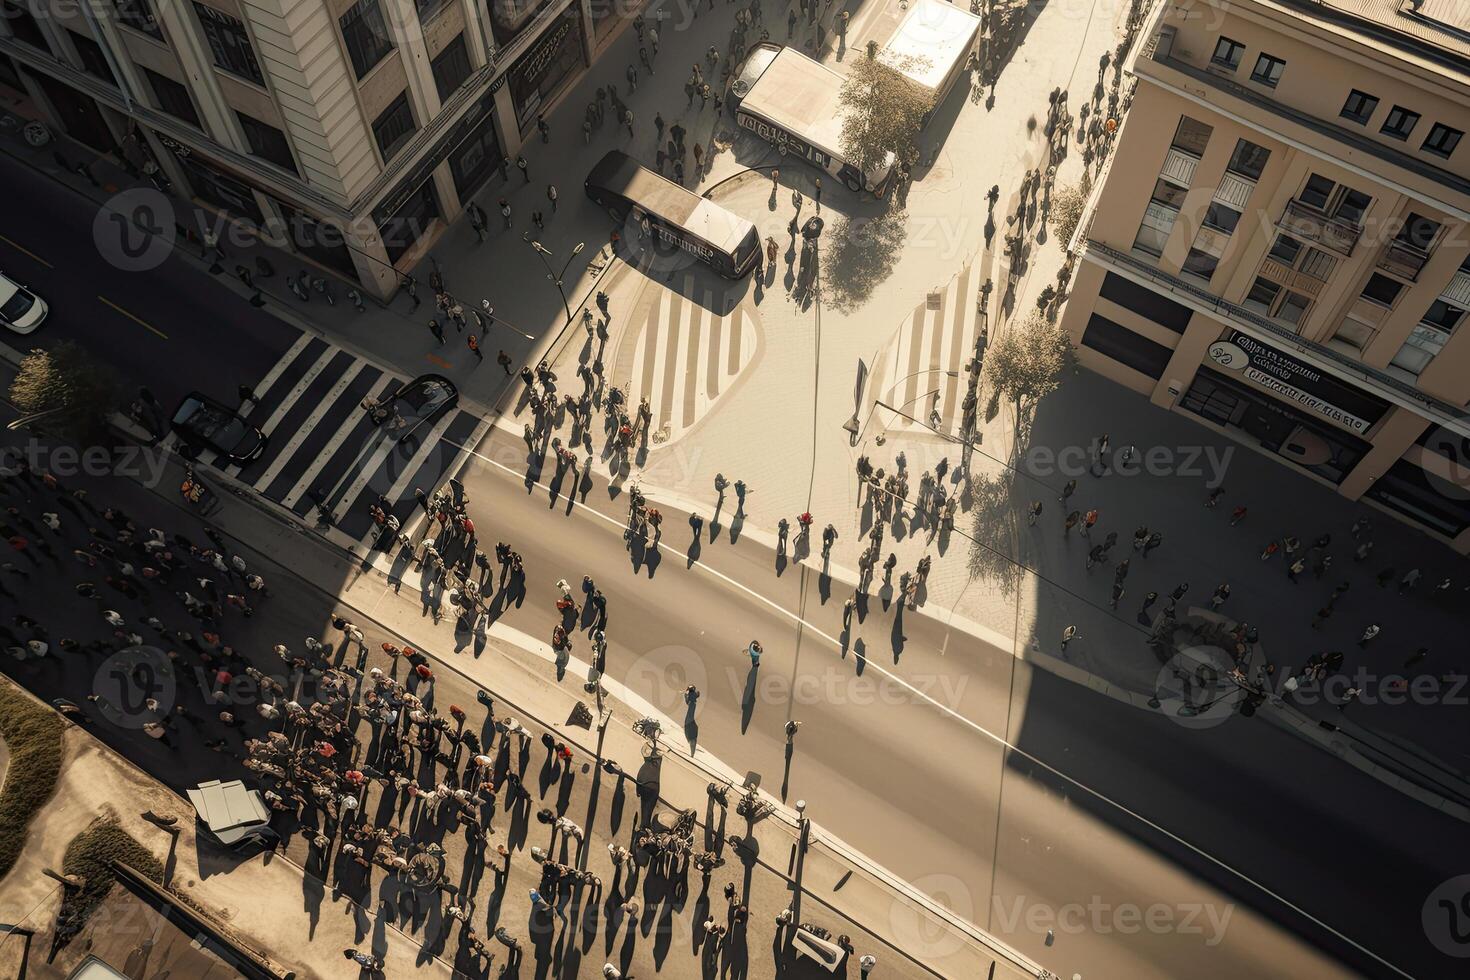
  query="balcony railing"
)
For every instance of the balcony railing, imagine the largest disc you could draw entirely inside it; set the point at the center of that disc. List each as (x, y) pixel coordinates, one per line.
(1307, 222)
(1179, 166)
(1403, 260)
(1235, 312)
(1457, 293)
(1284, 275)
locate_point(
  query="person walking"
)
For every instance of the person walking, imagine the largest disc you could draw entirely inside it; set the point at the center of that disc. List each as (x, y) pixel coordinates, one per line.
(503, 359)
(473, 343)
(1295, 569)
(525, 168)
(1067, 490)
(628, 121)
(1154, 540)
(1148, 601)
(658, 125)
(543, 128)
(1222, 592)
(1089, 520)
(1117, 594)
(817, 194)
(1099, 452)
(551, 195)
(1071, 522)
(538, 220)
(1369, 635)
(505, 211)
(1237, 515)
(437, 330)
(1410, 579)
(1213, 499)
(1033, 512)
(1068, 635)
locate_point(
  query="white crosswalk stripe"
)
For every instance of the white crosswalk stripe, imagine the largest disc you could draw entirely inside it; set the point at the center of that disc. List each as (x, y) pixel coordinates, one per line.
(683, 354)
(933, 342)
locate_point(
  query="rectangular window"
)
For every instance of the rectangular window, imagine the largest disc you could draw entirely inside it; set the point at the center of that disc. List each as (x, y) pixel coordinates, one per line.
(451, 67)
(1352, 206)
(94, 62)
(1286, 249)
(138, 14)
(1424, 342)
(267, 142)
(394, 126)
(1168, 194)
(1418, 231)
(229, 44)
(1268, 70)
(1126, 347)
(1192, 136)
(1248, 160)
(1442, 140)
(366, 35)
(1263, 293)
(1382, 290)
(1148, 304)
(1318, 264)
(1317, 192)
(1292, 308)
(1227, 53)
(1443, 315)
(428, 8)
(1221, 217)
(1359, 107)
(1400, 123)
(1201, 264)
(173, 98)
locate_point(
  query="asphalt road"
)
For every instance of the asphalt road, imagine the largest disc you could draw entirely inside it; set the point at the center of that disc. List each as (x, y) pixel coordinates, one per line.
(169, 327)
(921, 788)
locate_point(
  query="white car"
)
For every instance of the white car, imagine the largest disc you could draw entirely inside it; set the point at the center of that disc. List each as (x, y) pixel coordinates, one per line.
(20, 309)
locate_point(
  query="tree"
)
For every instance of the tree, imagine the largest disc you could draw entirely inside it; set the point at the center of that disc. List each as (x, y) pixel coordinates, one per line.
(73, 394)
(1067, 206)
(881, 114)
(1025, 364)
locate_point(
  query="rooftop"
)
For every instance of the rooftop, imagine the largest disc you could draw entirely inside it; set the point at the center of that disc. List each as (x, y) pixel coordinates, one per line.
(1437, 31)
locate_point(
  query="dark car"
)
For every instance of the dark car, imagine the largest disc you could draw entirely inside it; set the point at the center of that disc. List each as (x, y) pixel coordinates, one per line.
(416, 405)
(203, 423)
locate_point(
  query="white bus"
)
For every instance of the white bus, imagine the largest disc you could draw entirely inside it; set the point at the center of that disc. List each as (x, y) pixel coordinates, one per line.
(790, 101)
(932, 46)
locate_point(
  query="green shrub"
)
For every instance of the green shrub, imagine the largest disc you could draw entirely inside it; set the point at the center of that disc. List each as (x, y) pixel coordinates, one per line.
(33, 735)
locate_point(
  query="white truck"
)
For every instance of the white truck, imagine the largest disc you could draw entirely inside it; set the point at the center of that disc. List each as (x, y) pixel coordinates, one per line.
(932, 46)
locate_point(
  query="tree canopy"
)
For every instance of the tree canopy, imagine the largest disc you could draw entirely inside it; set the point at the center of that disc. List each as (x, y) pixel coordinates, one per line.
(73, 394)
(1026, 362)
(882, 112)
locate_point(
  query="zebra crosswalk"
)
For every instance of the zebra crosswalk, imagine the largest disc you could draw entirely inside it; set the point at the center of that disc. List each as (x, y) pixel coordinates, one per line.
(928, 353)
(309, 405)
(683, 356)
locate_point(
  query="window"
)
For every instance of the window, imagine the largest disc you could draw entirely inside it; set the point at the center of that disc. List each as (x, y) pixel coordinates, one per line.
(394, 126)
(267, 142)
(1221, 217)
(138, 15)
(1262, 295)
(1418, 231)
(1359, 107)
(451, 67)
(1126, 347)
(1248, 160)
(1192, 136)
(428, 8)
(1292, 308)
(1169, 194)
(1159, 217)
(94, 62)
(1424, 342)
(1400, 123)
(1443, 315)
(1285, 250)
(1352, 206)
(1201, 264)
(366, 35)
(1268, 70)
(1145, 302)
(1227, 53)
(1317, 192)
(1382, 290)
(1442, 140)
(173, 98)
(229, 43)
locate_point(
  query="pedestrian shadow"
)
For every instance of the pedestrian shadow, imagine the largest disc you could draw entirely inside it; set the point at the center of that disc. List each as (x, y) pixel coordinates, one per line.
(692, 554)
(691, 728)
(859, 656)
(747, 699)
(897, 635)
(737, 524)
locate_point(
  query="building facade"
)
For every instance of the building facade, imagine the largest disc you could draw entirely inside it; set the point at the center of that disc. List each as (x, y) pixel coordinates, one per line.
(348, 131)
(1280, 245)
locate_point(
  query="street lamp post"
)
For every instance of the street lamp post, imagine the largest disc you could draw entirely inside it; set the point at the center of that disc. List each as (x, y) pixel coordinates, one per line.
(558, 278)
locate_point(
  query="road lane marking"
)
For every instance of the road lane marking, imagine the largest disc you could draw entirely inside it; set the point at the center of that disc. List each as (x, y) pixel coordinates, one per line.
(136, 319)
(997, 739)
(25, 251)
(330, 449)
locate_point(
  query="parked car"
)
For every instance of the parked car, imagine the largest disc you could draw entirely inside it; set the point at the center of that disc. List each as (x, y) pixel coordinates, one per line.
(415, 406)
(233, 814)
(20, 309)
(203, 423)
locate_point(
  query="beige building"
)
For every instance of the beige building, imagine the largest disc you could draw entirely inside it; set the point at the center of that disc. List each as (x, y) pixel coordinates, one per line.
(350, 131)
(1280, 246)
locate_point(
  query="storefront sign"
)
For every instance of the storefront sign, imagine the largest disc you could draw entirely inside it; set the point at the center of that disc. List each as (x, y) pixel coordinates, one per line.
(421, 170)
(1297, 381)
(551, 59)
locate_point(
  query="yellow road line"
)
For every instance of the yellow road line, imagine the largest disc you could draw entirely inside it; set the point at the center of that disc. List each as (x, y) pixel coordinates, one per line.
(141, 322)
(21, 248)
